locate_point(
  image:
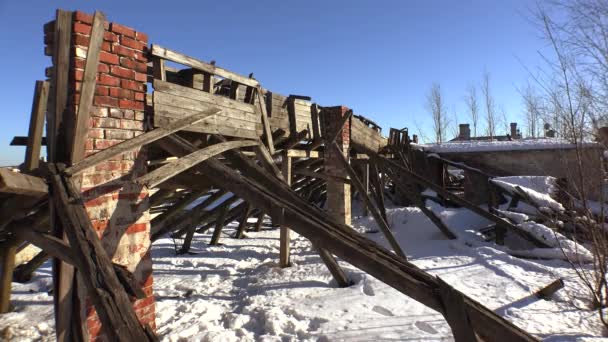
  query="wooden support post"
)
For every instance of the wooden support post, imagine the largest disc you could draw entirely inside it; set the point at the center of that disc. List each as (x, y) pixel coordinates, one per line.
(208, 84)
(382, 224)
(285, 239)
(109, 298)
(234, 90)
(7, 251)
(23, 273)
(158, 66)
(34, 137)
(240, 232)
(365, 172)
(258, 223)
(265, 121)
(87, 91)
(219, 225)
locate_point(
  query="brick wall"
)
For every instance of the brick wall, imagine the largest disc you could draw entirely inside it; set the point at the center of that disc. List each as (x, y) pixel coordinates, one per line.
(117, 207)
(338, 193)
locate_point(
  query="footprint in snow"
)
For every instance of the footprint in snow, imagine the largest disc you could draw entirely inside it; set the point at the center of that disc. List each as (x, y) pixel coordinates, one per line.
(383, 311)
(424, 326)
(368, 289)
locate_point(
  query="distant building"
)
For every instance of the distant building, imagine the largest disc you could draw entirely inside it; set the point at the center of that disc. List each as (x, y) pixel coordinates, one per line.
(464, 134)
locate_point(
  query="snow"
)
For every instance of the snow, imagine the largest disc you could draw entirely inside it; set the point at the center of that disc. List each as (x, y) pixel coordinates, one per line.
(537, 188)
(492, 146)
(237, 292)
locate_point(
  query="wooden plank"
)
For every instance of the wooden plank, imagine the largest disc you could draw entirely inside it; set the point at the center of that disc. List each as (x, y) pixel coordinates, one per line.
(258, 223)
(161, 221)
(229, 110)
(201, 96)
(159, 69)
(267, 161)
(34, 137)
(19, 140)
(212, 128)
(87, 91)
(219, 225)
(382, 224)
(139, 140)
(61, 67)
(284, 240)
(304, 154)
(182, 164)
(22, 184)
(7, 255)
(23, 273)
(314, 118)
(109, 298)
(240, 231)
(265, 121)
(200, 65)
(456, 313)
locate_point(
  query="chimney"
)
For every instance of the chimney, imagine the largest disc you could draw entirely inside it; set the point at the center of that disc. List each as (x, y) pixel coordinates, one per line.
(514, 134)
(465, 132)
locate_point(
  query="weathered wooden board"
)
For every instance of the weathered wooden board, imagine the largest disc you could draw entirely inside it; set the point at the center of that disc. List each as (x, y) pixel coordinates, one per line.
(172, 101)
(22, 184)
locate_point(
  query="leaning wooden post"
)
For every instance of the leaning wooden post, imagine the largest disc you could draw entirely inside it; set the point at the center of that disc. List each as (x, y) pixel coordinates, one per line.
(219, 225)
(285, 232)
(8, 251)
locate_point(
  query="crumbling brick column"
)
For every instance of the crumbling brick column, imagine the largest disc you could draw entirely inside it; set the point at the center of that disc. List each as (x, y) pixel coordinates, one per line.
(118, 208)
(338, 193)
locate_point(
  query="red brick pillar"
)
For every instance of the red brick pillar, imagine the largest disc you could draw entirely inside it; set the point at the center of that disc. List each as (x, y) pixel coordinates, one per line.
(118, 208)
(338, 193)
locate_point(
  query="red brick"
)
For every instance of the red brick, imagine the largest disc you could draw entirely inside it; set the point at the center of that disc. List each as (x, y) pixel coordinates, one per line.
(99, 225)
(121, 93)
(102, 90)
(133, 85)
(122, 72)
(123, 51)
(79, 63)
(115, 113)
(78, 74)
(106, 101)
(124, 30)
(109, 80)
(136, 228)
(103, 68)
(107, 57)
(130, 124)
(139, 116)
(106, 46)
(88, 145)
(142, 37)
(82, 28)
(132, 43)
(127, 63)
(141, 67)
(129, 115)
(110, 37)
(140, 97)
(82, 40)
(84, 17)
(105, 143)
(141, 77)
(95, 133)
(118, 134)
(107, 123)
(141, 57)
(129, 104)
(109, 165)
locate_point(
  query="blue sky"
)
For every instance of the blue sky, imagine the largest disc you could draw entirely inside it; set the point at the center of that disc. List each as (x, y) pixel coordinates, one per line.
(377, 57)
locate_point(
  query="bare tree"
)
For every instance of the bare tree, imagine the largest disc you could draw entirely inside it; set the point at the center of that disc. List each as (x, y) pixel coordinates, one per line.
(575, 89)
(436, 106)
(472, 106)
(533, 111)
(489, 104)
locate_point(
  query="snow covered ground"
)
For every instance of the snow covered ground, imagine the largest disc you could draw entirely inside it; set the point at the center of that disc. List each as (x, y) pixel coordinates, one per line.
(513, 145)
(236, 291)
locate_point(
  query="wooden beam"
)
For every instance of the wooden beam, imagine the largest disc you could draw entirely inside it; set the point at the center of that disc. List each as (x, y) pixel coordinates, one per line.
(158, 68)
(240, 232)
(265, 121)
(34, 137)
(160, 222)
(382, 224)
(180, 58)
(268, 162)
(260, 220)
(7, 255)
(22, 141)
(109, 298)
(87, 91)
(219, 225)
(22, 184)
(193, 217)
(182, 164)
(331, 139)
(23, 273)
(139, 140)
(285, 239)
